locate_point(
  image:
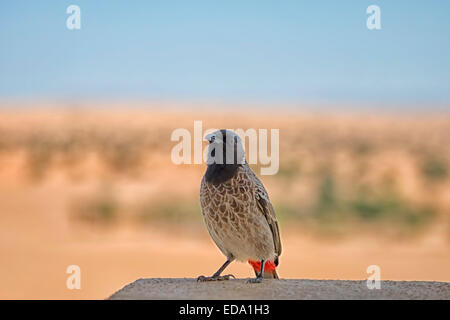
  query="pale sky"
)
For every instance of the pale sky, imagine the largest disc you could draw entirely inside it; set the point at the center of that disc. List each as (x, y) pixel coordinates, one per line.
(290, 51)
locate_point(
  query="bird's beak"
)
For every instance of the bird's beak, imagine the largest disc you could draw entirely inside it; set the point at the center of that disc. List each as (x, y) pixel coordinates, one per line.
(210, 137)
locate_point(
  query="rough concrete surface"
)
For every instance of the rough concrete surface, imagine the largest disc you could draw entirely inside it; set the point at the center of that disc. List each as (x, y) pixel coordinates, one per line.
(164, 288)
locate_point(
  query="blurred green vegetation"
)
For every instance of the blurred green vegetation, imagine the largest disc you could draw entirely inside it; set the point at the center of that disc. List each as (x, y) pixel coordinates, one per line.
(121, 152)
(435, 169)
(98, 209)
(172, 211)
(105, 209)
(372, 209)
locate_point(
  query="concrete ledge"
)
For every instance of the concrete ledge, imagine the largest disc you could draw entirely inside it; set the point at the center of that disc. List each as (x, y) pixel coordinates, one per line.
(293, 289)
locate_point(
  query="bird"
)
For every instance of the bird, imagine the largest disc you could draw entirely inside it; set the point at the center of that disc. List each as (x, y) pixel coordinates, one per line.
(237, 211)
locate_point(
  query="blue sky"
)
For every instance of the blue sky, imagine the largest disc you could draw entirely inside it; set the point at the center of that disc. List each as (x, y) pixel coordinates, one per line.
(287, 51)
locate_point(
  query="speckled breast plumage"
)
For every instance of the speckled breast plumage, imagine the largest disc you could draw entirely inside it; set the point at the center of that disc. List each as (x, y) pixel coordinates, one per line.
(235, 218)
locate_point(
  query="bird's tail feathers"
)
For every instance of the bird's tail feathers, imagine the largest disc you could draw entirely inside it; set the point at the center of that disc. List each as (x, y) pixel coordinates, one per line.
(270, 271)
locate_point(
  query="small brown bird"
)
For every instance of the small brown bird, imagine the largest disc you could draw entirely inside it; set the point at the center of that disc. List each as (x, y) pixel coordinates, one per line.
(237, 210)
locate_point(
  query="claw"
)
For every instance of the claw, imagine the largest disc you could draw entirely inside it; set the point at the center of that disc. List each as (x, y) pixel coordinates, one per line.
(201, 278)
(255, 280)
(215, 278)
(226, 277)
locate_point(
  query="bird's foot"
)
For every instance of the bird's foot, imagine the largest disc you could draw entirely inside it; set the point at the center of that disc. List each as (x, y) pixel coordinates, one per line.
(255, 280)
(215, 278)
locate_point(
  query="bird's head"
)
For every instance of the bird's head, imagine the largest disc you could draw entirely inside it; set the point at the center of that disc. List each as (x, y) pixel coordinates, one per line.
(225, 147)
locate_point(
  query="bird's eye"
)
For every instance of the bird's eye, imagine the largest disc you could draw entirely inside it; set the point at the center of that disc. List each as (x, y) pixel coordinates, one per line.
(212, 139)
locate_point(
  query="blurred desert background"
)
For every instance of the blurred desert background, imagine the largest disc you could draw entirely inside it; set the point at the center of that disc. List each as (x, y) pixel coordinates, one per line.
(91, 92)
(94, 186)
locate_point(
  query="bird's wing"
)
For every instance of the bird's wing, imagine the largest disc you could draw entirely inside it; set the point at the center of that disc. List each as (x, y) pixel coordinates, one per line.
(267, 208)
(269, 213)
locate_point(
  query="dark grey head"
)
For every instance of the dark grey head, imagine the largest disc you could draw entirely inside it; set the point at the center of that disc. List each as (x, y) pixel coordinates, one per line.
(225, 155)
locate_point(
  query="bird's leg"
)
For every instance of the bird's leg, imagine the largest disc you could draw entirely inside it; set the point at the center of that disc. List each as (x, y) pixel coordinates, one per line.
(216, 276)
(260, 276)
